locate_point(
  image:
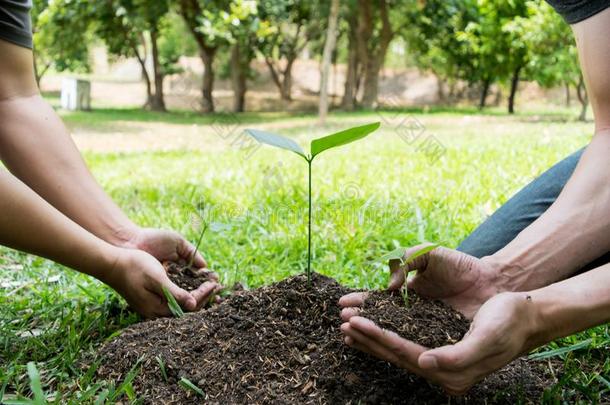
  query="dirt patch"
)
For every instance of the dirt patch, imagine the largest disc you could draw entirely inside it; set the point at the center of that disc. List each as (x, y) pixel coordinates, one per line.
(282, 344)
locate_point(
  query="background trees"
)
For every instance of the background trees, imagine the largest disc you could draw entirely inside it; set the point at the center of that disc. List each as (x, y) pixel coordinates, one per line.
(472, 46)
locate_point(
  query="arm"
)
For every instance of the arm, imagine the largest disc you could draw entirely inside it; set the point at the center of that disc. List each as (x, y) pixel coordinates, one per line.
(30, 224)
(575, 230)
(37, 148)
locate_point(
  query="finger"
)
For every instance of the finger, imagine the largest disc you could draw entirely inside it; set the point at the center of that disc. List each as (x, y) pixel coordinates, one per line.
(204, 293)
(364, 344)
(462, 355)
(347, 313)
(397, 275)
(355, 299)
(408, 350)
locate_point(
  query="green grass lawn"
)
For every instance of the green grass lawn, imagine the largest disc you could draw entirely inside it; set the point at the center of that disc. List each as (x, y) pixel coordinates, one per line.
(370, 197)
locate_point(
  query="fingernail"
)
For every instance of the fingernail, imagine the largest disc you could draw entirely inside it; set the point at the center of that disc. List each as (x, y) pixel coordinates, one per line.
(428, 363)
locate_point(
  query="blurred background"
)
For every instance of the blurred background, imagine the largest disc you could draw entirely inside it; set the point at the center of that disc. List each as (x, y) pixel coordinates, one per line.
(269, 55)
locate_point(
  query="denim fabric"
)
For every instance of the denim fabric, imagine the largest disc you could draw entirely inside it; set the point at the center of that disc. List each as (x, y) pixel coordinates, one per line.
(521, 210)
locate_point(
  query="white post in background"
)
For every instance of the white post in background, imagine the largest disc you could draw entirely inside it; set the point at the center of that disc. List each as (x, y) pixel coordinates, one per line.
(75, 94)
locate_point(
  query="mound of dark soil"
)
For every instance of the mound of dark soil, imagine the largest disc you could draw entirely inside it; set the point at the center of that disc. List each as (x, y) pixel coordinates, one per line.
(282, 344)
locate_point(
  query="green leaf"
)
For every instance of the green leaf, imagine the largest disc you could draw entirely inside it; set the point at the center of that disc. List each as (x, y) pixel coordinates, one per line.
(276, 140)
(36, 385)
(173, 304)
(341, 138)
(186, 383)
(399, 254)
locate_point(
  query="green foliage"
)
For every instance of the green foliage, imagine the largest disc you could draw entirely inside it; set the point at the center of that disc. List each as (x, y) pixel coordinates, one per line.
(36, 385)
(61, 35)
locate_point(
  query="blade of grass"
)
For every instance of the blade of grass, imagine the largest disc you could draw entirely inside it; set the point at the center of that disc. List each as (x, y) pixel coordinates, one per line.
(175, 309)
(562, 350)
(36, 385)
(187, 384)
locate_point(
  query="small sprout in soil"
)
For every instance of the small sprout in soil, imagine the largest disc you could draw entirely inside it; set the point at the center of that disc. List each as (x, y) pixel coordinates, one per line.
(162, 367)
(400, 255)
(187, 384)
(317, 146)
(200, 212)
(174, 307)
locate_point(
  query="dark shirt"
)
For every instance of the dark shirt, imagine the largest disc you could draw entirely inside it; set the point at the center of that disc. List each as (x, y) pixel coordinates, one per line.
(574, 11)
(15, 23)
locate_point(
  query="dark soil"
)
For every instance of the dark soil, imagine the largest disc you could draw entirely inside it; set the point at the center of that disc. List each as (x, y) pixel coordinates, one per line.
(186, 277)
(281, 344)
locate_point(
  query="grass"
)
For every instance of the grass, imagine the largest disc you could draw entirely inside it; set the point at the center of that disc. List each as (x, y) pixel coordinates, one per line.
(372, 197)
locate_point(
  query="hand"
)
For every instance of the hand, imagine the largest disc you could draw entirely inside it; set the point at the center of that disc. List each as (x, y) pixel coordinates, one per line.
(462, 281)
(502, 330)
(167, 246)
(140, 279)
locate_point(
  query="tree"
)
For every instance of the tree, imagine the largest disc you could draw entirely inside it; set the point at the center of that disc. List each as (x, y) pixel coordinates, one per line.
(61, 36)
(329, 47)
(204, 18)
(369, 40)
(123, 25)
(553, 58)
(294, 23)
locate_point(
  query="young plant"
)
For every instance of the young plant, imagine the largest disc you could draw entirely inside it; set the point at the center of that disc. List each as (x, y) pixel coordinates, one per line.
(190, 386)
(317, 146)
(400, 254)
(200, 212)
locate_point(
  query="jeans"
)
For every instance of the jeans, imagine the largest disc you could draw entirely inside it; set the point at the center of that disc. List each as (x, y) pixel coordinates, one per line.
(523, 209)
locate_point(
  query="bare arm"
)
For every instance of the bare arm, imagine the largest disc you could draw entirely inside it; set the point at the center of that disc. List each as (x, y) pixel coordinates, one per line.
(30, 224)
(575, 230)
(37, 148)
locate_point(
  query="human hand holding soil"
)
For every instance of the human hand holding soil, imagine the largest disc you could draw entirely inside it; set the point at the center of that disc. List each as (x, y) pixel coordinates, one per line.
(140, 278)
(503, 329)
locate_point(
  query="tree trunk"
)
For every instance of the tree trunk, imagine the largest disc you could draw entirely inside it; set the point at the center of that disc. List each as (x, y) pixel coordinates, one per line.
(484, 93)
(581, 93)
(568, 96)
(158, 100)
(351, 77)
(514, 84)
(286, 90)
(207, 57)
(145, 76)
(190, 11)
(375, 52)
(329, 47)
(238, 78)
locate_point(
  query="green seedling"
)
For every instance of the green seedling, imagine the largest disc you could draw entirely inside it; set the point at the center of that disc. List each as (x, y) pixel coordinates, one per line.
(204, 224)
(187, 384)
(161, 364)
(317, 146)
(173, 305)
(400, 254)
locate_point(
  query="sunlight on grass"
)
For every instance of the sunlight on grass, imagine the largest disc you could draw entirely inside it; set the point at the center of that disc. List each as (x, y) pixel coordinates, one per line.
(370, 197)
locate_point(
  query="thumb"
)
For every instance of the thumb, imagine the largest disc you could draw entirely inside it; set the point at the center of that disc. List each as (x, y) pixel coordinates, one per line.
(183, 297)
(459, 356)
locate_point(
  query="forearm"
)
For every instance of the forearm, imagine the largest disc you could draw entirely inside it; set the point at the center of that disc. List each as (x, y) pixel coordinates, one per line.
(37, 148)
(570, 306)
(574, 231)
(30, 224)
